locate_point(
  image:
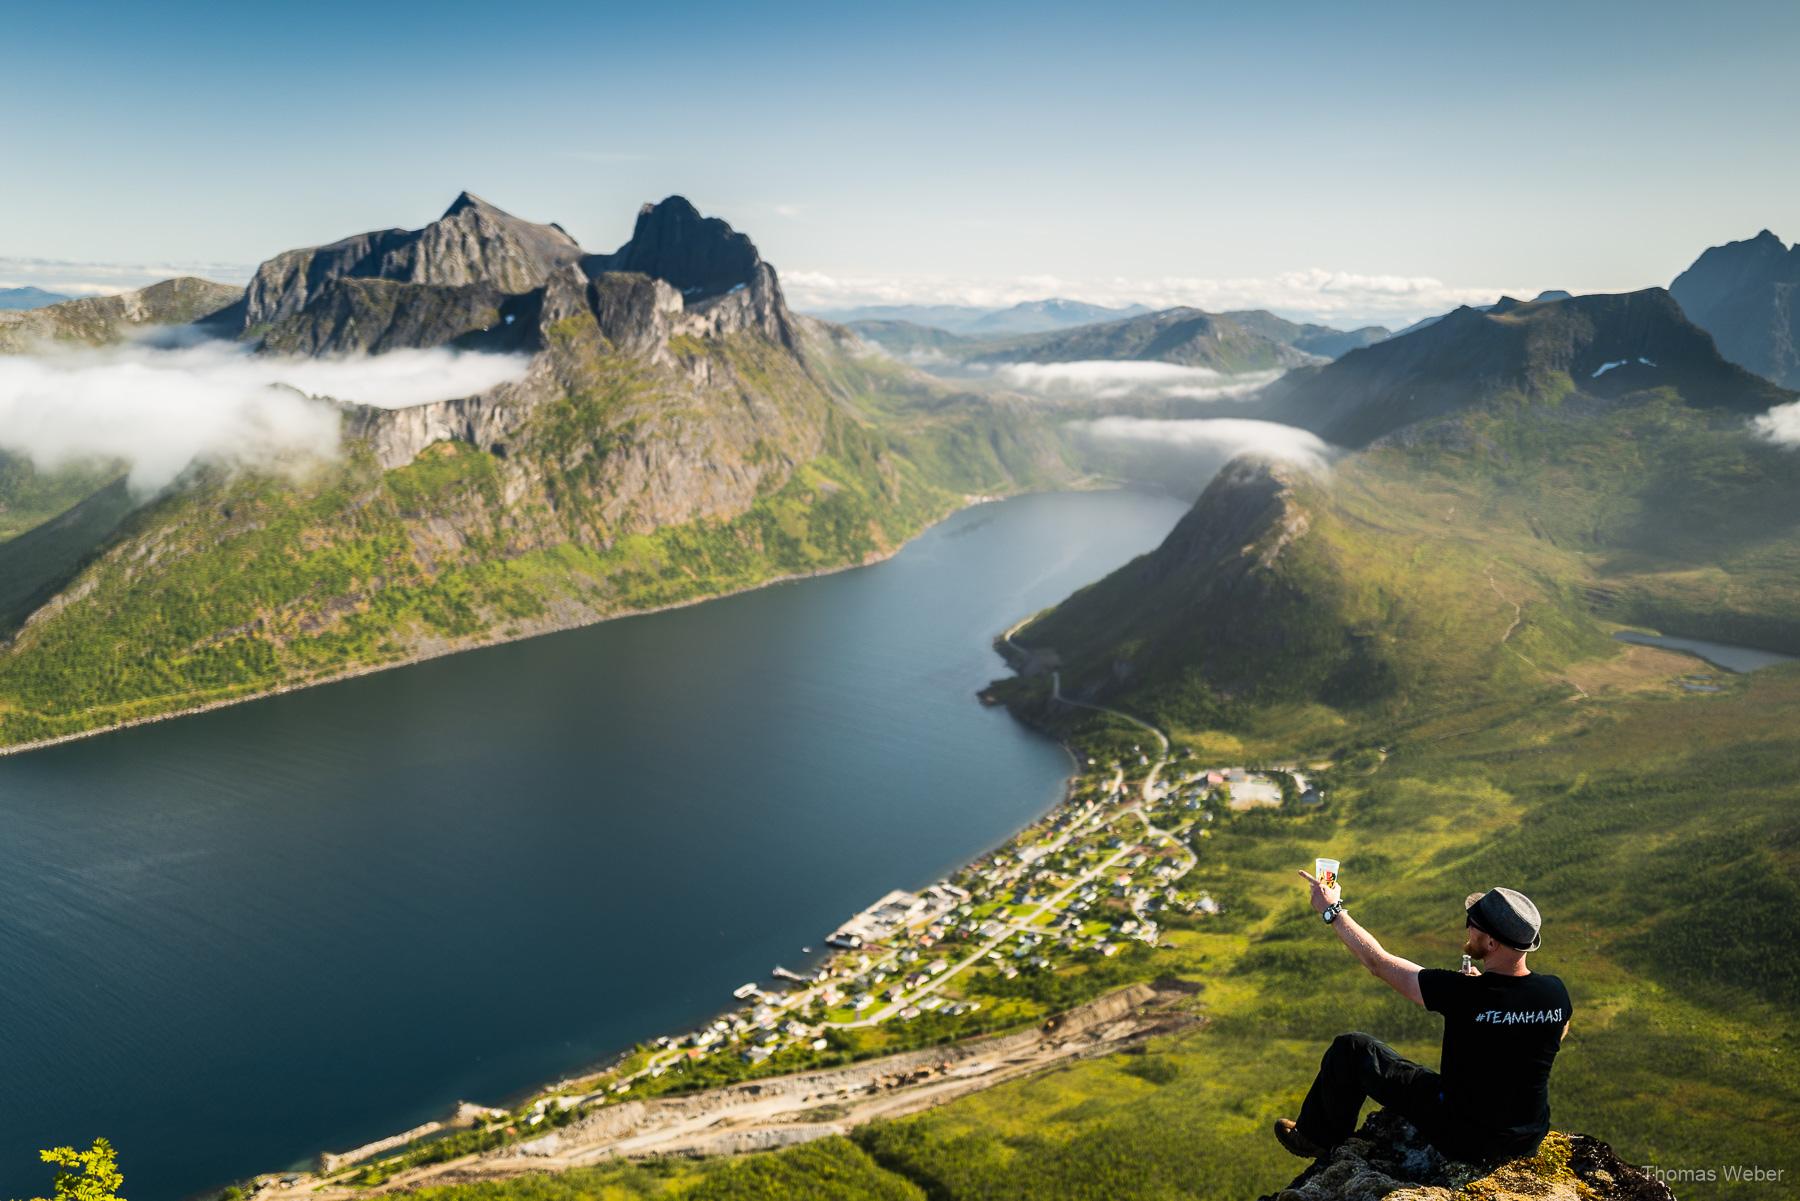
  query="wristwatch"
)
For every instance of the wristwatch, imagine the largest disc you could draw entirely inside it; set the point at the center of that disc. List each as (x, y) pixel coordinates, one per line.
(1331, 911)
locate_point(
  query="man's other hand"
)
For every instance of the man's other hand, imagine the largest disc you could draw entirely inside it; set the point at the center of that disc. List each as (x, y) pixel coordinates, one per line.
(1322, 894)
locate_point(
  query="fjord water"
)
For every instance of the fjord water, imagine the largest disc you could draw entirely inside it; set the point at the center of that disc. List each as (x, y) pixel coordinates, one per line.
(230, 941)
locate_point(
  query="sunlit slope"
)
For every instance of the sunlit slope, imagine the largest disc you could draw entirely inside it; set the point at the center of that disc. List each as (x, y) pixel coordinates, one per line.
(235, 583)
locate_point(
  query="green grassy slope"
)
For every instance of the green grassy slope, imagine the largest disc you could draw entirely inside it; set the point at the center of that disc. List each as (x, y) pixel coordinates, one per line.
(234, 584)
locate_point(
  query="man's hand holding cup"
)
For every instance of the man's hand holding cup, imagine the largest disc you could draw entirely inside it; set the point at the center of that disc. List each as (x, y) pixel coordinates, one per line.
(1325, 890)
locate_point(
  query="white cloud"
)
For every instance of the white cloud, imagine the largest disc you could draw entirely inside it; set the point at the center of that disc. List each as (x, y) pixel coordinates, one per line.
(160, 408)
(1107, 379)
(1780, 424)
(1341, 298)
(1226, 435)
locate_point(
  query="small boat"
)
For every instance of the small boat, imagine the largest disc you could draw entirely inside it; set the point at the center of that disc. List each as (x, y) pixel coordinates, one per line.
(744, 992)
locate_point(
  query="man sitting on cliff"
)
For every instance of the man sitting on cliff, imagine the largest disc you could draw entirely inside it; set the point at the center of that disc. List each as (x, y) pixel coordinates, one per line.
(1502, 1029)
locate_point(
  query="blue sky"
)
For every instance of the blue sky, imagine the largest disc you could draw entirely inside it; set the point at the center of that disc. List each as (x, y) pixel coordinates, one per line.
(1339, 160)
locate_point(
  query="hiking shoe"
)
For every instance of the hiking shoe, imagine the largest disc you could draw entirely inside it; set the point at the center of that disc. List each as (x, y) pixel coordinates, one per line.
(1289, 1136)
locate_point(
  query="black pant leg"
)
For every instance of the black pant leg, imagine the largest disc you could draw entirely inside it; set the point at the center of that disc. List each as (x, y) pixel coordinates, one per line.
(1357, 1067)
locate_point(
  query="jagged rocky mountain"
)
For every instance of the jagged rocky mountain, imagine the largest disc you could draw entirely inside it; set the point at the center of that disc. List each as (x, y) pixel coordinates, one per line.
(676, 432)
(1747, 296)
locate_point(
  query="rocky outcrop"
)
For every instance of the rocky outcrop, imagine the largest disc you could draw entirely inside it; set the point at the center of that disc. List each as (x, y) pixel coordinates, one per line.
(479, 276)
(699, 256)
(96, 320)
(472, 243)
(1387, 1161)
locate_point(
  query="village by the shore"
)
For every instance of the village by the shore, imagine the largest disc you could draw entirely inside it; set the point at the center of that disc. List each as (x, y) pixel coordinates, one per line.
(1103, 871)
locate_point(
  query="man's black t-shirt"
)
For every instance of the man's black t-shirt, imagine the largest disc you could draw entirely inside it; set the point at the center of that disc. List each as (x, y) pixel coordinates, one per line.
(1500, 1035)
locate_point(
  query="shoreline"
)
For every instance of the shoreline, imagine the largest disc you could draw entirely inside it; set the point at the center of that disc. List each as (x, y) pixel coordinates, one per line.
(317, 1176)
(969, 501)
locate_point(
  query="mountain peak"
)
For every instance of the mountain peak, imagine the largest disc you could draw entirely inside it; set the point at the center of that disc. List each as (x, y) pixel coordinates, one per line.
(674, 207)
(466, 201)
(700, 256)
(1741, 294)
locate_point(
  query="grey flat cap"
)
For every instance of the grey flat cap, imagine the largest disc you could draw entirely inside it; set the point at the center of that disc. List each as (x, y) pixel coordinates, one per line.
(1507, 915)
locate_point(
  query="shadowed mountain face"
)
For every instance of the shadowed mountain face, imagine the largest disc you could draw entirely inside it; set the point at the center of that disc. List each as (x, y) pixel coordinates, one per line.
(1747, 296)
(1603, 346)
(699, 256)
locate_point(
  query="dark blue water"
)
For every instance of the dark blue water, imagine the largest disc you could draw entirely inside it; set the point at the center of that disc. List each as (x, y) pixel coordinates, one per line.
(1719, 654)
(230, 941)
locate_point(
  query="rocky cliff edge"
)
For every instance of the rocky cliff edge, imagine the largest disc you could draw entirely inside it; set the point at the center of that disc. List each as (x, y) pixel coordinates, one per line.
(1387, 1161)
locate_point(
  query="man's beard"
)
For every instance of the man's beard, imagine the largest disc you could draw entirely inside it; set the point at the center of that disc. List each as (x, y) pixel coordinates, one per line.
(1470, 950)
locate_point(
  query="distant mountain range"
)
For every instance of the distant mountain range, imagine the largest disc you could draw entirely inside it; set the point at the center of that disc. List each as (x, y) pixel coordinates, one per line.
(1747, 295)
(1253, 340)
(28, 298)
(1027, 317)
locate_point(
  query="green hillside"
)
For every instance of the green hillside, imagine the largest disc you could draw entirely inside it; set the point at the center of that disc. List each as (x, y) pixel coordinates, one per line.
(234, 584)
(1427, 629)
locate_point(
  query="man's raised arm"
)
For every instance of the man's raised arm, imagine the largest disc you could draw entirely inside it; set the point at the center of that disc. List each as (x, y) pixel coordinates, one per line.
(1401, 975)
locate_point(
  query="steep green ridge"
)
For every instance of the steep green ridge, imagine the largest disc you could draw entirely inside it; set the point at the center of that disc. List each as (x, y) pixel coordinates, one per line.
(233, 585)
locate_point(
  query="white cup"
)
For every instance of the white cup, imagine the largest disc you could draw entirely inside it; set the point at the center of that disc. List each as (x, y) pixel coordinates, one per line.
(1326, 870)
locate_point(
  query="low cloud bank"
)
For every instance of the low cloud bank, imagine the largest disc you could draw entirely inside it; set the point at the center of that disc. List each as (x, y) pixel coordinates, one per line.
(1222, 436)
(1780, 424)
(1106, 379)
(160, 408)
